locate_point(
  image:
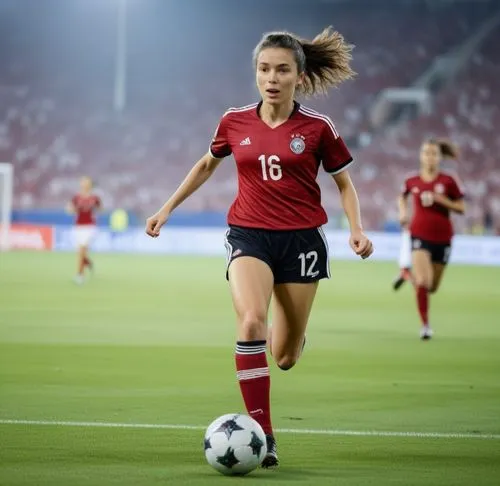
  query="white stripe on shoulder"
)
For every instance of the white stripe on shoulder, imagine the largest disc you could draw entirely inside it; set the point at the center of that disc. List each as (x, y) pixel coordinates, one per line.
(241, 108)
(319, 116)
(310, 110)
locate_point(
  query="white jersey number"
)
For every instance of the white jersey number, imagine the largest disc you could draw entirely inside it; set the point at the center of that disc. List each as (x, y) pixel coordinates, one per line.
(427, 199)
(305, 258)
(270, 168)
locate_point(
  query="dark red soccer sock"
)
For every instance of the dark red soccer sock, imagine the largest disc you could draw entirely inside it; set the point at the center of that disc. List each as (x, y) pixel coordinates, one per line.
(255, 382)
(423, 303)
(86, 261)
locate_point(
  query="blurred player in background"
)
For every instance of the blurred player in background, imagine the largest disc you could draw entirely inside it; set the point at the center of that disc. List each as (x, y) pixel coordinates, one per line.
(275, 244)
(435, 194)
(84, 205)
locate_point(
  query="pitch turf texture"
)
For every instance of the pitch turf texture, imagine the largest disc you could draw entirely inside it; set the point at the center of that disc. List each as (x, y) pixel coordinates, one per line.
(150, 341)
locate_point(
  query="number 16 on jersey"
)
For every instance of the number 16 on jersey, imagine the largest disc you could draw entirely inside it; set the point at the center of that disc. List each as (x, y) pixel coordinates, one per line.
(271, 169)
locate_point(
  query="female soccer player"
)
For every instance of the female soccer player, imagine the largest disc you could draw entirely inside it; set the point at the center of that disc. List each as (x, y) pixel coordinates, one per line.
(84, 205)
(435, 194)
(275, 244)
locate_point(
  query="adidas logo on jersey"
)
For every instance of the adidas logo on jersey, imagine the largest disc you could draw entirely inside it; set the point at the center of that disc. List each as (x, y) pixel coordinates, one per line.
(246, 141)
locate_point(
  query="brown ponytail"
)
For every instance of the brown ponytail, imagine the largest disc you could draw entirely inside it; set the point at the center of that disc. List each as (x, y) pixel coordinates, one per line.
(325, 61)
(448, 149)
(328, 59)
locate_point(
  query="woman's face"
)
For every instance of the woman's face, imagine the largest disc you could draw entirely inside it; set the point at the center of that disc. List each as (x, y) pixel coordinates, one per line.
(277, 76)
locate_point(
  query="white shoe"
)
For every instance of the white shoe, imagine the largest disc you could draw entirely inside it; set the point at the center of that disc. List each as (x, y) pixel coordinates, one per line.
(426, 332)
(78, 279)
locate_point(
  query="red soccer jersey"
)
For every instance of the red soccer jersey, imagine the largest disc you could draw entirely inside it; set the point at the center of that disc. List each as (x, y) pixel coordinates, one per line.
(85, 207)
(433, 222)
(277, 167)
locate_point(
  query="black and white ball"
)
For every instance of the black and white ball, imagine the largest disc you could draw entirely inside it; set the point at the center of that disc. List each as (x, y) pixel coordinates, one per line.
(235, 444)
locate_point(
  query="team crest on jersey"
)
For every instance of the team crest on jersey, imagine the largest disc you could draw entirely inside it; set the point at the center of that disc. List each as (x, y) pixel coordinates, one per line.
(415, 190)
(439, 188)
(297, 145)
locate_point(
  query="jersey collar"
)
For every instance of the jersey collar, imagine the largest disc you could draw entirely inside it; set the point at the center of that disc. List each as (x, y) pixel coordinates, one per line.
(296, 107)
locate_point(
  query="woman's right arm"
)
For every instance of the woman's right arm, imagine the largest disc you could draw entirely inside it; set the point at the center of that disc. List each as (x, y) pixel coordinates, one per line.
(196, 177)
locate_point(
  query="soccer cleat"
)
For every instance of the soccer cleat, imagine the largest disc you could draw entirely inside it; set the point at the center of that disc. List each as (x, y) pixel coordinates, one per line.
(78, 279)
(403, 276)
(426, 333)
(271, 459)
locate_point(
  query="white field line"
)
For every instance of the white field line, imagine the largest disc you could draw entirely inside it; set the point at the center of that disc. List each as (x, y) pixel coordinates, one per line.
(357, 433)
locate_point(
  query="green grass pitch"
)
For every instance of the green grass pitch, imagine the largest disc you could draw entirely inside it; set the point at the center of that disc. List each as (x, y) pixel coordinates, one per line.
(150, 339)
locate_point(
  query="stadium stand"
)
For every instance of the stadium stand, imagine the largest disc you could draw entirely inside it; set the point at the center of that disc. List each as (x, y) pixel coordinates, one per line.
(57, 119)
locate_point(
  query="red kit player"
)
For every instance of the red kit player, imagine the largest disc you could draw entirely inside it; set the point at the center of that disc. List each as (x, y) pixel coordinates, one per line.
(276, 248)
(434, 195)
(84, 205)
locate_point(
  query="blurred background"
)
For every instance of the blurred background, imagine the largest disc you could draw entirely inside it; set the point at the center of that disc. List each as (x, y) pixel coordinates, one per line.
(129, 92)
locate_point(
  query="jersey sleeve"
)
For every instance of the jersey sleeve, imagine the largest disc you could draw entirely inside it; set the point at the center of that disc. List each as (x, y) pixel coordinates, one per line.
(334, 155)
(220, 146)
(455, 190)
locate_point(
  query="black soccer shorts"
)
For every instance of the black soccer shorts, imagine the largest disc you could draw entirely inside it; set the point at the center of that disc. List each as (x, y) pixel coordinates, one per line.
(440, 252)
(299, 256)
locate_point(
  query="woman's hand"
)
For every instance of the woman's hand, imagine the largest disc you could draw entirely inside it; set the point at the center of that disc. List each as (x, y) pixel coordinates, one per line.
(360, 244)
(155, 222)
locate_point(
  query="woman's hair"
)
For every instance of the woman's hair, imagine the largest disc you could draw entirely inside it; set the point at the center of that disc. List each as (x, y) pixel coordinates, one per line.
(448, 149)
(325, 61)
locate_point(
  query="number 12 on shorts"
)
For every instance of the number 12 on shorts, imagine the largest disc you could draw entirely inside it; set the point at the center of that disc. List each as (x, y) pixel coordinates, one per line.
(270, 168)
(308, 263)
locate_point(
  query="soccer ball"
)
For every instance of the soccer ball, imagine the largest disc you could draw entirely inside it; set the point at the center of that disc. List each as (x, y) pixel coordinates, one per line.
(235, 444)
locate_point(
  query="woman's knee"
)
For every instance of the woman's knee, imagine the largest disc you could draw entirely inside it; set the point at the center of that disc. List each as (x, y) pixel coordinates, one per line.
(287, 358)
(434, 287)
(423, 282)
(286, 361)
(252, 326)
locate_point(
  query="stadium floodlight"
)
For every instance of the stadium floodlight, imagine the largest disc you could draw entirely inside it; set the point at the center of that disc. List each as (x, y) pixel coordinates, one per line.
(6, 194)
(120, 83)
